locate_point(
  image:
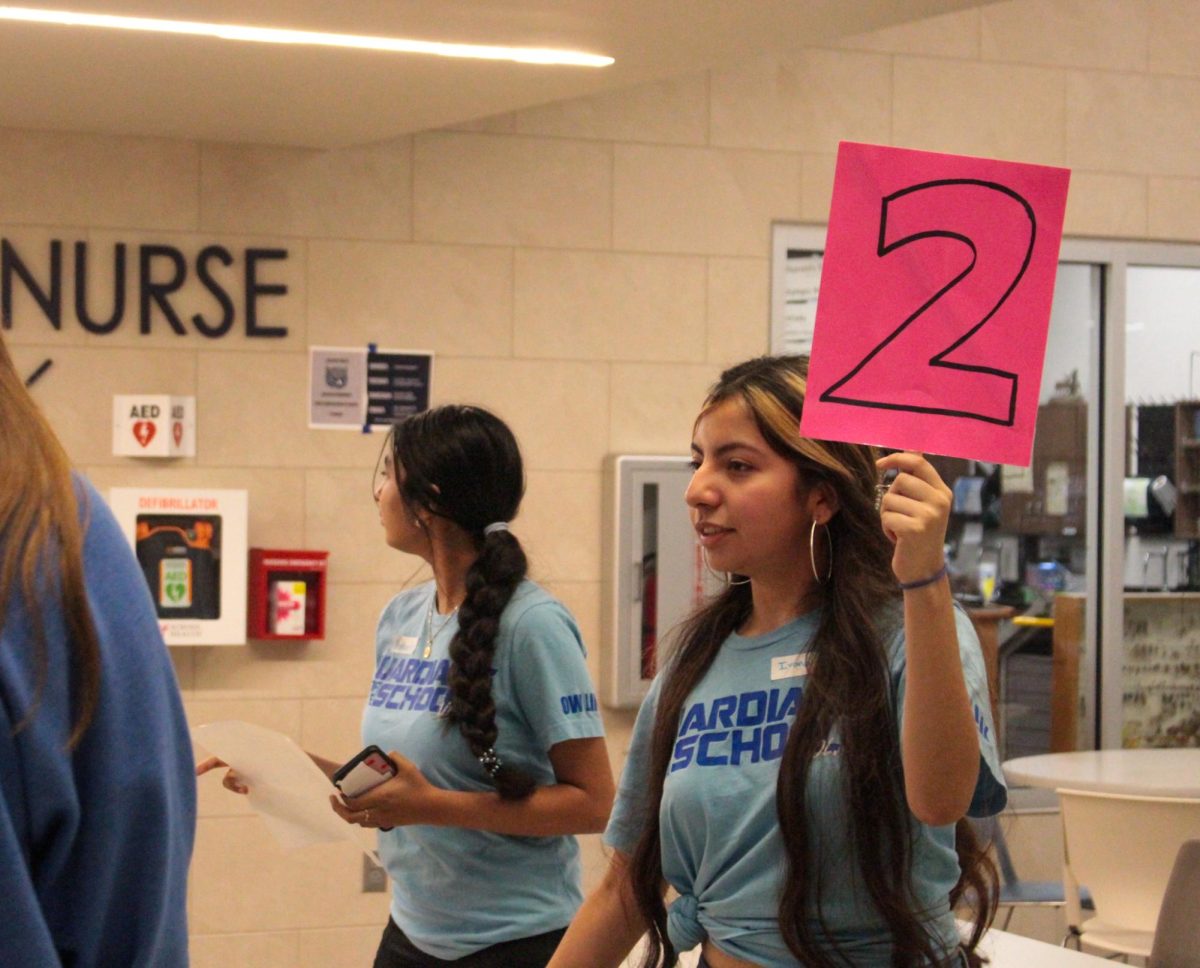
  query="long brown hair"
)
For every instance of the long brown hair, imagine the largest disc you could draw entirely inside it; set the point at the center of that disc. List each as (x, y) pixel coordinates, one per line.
(848, 688)
(41, 542)
(463, 464)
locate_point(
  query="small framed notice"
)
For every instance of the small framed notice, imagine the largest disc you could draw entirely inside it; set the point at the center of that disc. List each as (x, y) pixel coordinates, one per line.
(797, 255)
(353, 388)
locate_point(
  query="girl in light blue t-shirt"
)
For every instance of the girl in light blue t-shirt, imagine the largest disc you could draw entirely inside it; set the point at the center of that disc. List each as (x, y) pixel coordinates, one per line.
(800, 764)
(482, 697)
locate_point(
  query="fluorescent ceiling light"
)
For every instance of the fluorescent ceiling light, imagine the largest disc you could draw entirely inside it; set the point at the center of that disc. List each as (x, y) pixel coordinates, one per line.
(272, 35)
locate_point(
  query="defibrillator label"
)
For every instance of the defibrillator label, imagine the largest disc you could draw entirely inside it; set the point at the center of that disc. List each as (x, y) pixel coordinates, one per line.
(175, 583)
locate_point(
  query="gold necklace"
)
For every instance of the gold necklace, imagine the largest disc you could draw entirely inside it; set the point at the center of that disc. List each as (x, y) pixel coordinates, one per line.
(430, 634)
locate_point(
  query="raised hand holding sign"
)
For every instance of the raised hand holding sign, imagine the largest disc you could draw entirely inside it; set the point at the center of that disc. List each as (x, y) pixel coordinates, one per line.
(935, 300)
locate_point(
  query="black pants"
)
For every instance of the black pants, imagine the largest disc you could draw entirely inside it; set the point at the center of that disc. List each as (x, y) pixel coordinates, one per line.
(396, 951)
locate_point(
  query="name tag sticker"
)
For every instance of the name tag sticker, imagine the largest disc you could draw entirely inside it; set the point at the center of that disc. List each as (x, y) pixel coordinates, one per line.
(789, 666)
(405, 645)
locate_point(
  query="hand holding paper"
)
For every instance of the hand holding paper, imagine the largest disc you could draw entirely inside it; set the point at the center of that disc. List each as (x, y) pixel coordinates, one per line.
(231, 781)
(914, 513)
(285, 787)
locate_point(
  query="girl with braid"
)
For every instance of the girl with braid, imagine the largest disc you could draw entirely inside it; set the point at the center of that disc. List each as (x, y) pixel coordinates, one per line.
(482, 697)
(800, 770)
(482, 693)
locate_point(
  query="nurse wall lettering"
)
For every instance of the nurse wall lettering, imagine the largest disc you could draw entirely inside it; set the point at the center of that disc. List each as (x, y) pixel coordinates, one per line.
(209, 292)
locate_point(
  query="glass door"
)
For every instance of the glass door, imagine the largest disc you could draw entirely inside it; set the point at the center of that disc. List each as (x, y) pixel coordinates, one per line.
(1081, 572)
(1159, 671)
(1038, 543)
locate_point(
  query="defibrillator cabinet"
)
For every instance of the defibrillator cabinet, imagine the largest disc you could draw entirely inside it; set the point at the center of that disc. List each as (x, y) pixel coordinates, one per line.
(191, 545)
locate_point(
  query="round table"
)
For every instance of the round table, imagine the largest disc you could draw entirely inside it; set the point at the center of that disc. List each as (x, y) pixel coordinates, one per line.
(1140, 772)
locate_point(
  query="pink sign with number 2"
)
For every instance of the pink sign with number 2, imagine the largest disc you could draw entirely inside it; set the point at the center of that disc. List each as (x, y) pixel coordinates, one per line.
(934, 302)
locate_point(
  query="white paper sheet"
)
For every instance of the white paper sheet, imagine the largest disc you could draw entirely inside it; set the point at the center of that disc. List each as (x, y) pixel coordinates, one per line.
(287, 789)
(802, 283)
(1058, 482)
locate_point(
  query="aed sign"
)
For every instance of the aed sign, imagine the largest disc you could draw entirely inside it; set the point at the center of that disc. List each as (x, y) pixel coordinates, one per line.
(154, 426)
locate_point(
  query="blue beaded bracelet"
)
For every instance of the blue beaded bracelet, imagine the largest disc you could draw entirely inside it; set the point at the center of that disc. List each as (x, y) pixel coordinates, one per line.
(908, 586)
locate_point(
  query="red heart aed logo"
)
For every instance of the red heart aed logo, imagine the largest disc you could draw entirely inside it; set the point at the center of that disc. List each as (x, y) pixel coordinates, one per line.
(144, 431)
(177, 432)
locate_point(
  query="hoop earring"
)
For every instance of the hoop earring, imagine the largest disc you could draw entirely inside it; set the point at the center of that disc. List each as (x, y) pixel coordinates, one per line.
(721, 576)
(812, 552)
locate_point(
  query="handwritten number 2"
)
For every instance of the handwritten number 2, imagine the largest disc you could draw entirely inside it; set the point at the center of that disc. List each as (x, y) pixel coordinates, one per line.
(999, 227)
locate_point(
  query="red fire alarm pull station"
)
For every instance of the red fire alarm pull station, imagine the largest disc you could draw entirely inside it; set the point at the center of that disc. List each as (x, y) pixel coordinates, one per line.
(287, 594)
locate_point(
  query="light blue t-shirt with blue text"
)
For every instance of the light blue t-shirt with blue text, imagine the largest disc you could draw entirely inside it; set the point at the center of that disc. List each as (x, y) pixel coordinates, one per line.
(457, 891)
(721, 846)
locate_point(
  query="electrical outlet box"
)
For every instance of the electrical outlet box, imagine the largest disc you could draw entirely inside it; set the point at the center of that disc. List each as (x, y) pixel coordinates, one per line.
(374, 877)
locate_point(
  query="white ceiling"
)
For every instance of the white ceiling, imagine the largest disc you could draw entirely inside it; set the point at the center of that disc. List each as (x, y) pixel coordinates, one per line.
(115, 82)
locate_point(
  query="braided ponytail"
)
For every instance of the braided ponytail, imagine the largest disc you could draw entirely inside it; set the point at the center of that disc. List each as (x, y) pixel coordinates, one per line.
(491, 581)
(463, 464)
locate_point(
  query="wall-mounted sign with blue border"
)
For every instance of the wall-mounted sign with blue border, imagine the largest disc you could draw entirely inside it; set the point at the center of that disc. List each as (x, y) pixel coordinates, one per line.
(397, 385)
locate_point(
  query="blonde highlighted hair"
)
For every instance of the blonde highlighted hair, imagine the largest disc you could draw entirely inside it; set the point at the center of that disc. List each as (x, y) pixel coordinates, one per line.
(848, 690)
(773, 390)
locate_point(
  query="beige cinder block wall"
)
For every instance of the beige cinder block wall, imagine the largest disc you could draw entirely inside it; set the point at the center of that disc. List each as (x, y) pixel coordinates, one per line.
(584, 268)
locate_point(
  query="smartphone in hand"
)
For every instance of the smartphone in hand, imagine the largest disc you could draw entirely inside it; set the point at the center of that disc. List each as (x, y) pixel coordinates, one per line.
(364, 771)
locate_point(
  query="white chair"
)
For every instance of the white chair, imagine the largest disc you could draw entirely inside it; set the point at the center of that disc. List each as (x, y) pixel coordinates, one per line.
(1123, 848)
(1177, 936)
(1015, 891)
